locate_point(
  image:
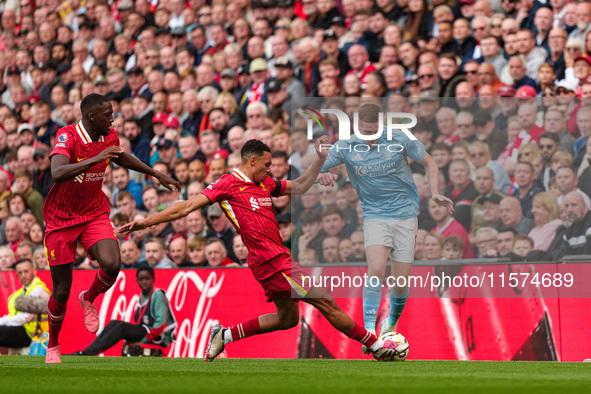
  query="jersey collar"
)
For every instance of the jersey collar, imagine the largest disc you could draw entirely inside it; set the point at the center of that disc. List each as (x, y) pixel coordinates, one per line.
(240, 175)
(84, 134)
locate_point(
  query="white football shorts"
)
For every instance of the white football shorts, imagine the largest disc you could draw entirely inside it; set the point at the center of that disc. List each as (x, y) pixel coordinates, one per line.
(399, 234)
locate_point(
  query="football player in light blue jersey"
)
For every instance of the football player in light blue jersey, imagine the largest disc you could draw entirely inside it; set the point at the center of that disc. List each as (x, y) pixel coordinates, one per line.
(379, 171)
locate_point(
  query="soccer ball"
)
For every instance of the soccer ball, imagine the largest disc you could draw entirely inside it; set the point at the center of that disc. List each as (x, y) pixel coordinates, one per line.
(391, 339)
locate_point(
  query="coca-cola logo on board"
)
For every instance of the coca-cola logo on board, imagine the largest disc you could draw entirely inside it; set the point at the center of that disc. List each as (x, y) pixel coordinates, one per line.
(190, 298)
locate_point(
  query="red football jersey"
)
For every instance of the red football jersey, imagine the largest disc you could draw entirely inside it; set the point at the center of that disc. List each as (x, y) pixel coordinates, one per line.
(248, 207)
(80, 199)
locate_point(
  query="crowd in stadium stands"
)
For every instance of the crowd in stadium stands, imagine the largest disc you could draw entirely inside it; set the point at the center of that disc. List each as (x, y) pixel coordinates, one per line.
(501, 89)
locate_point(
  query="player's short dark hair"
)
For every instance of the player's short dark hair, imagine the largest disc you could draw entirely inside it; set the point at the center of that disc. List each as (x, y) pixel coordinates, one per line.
(370, 113)
(253, 148)
(92, 101)
(146, 268)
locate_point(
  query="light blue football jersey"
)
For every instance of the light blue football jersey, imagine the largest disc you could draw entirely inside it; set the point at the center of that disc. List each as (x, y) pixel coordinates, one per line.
(381, 175)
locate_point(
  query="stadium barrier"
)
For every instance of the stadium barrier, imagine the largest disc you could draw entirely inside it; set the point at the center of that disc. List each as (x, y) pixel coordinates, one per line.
(521, 322)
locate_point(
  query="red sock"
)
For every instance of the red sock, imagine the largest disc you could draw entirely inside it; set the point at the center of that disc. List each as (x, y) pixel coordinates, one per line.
(102, 283)
(360, 334)
(246, 329)
(56, 315)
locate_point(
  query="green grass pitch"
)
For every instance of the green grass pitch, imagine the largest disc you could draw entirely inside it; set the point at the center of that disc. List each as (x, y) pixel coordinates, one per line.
(20, 374)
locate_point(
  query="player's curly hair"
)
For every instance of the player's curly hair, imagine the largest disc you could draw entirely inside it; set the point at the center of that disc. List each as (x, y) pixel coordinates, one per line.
(91, 101)
(253, 148)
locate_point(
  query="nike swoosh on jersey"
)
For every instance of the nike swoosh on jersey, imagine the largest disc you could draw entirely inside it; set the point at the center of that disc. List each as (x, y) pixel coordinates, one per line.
(242, 188)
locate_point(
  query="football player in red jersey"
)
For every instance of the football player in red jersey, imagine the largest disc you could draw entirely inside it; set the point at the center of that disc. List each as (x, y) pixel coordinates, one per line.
(245, 197)
(76, 210)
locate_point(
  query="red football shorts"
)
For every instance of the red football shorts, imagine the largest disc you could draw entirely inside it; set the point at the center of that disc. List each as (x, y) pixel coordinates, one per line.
(60, 245)
(281, 277)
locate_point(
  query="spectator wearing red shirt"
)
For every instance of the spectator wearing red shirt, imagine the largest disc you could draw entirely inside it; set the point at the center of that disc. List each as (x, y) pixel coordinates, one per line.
(359, 62)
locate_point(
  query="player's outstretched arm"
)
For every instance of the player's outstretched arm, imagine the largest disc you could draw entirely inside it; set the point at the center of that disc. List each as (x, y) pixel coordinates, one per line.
(175, 211)
(306, 180)
(62, 170)
(128, 161)
(432, 172)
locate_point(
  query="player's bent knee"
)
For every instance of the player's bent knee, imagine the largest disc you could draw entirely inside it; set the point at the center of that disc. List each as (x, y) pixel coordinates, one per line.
(61, 296)
(112, 268)
(289, 321)
(326, 304)
(380, 273)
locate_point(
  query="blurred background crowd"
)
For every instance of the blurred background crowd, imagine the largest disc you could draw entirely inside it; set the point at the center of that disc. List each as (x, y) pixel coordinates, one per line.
(502, 91)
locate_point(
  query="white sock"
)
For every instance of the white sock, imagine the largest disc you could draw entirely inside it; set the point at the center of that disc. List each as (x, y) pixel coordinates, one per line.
(227, 336)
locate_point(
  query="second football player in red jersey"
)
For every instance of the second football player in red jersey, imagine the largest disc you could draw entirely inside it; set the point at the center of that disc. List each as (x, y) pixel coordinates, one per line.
(76, 210)
(245, 197)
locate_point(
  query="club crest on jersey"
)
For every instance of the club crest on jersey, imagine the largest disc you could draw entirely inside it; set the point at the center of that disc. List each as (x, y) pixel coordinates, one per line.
(62, 137)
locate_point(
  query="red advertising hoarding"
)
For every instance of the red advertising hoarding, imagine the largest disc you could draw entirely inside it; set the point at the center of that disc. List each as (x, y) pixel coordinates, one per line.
(466, 325)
